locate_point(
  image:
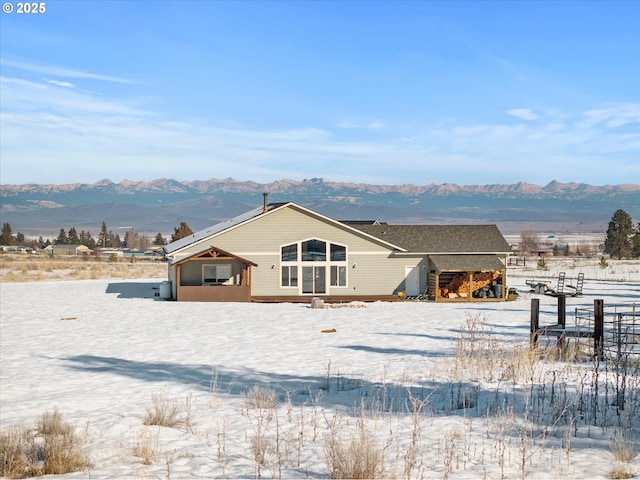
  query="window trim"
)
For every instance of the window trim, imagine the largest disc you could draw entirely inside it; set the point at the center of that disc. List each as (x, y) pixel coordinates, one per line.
(327, 263)
(289, 266)
(217, 281)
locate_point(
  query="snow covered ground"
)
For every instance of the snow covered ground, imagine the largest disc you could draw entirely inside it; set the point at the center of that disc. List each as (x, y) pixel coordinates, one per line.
(417, 377)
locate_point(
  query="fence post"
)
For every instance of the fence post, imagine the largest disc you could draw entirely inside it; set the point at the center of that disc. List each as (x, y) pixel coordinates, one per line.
(562, 319)
(598, 328)
(562, 311)
(534, 322)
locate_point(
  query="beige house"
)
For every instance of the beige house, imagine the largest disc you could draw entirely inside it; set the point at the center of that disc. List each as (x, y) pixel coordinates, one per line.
(286, 252)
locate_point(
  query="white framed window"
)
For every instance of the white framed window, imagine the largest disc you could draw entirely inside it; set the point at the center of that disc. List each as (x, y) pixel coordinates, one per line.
(313, 265)
(289, 276)
(216, 274)
(289, 253)
(338, 275)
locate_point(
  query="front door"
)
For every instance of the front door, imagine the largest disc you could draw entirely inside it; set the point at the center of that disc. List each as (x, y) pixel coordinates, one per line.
(314, 280)
(411, 281)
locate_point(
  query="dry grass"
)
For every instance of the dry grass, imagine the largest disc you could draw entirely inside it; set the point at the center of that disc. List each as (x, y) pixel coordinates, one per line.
(51, 447)
(622, 447)
(262, 398)
(359, 457)
(620, 472)
(27, 268)
(166, 412)
(146, 446)
(14, 448)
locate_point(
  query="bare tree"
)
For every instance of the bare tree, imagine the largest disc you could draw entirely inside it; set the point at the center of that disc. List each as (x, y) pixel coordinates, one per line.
(135, 240)
(529, 241)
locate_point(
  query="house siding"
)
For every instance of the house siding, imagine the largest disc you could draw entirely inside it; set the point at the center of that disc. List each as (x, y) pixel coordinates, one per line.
(375, 265)
(260, 241)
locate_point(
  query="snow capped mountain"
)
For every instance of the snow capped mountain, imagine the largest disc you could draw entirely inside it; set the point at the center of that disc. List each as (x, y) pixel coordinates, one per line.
(158, 205)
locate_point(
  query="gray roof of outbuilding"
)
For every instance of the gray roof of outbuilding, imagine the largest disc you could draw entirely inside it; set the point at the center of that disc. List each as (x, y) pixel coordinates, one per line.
(467, 263)
(441, 238)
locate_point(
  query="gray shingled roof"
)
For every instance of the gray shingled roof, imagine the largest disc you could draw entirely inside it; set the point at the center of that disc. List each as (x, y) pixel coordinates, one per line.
(441, 238)
(467, 263)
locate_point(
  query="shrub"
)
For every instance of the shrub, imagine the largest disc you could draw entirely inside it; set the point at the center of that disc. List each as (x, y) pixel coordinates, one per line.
(14, 445)
(51, 447)
(359, 458)
(146, 446)
(622, 447)
(165, 412)
(261, 397)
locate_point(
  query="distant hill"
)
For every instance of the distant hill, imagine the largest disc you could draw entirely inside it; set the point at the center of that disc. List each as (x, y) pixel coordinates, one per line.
(160, 205)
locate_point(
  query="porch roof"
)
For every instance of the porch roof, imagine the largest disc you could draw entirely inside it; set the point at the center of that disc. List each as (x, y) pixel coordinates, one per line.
(212, 253)
(467, 263)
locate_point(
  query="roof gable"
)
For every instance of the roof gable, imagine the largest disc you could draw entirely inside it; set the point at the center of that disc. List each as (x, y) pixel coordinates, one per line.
(214, 253)
(214, 230)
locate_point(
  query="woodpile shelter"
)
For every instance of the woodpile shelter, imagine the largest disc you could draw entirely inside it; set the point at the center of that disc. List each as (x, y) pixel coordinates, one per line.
(462, 262)
(286, 252)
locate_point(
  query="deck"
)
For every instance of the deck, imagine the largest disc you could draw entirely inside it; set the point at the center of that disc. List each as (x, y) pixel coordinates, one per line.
(327, 299)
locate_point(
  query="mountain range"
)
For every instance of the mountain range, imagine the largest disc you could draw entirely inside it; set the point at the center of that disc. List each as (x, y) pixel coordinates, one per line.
(160, 205)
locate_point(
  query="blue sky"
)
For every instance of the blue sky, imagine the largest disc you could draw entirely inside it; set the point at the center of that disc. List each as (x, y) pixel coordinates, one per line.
(376, 92)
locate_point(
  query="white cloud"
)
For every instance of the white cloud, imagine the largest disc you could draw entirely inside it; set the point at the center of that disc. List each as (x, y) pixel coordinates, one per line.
(60, 84)
(374, 125)
(62, 72)
(87, 134)
(612, 116)
(523, 113)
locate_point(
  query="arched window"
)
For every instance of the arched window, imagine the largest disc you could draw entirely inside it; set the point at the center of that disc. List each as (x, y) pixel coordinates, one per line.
(313, 265)
(314, 251)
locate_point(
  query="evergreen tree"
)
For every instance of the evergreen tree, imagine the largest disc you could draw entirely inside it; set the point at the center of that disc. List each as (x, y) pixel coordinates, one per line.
(62, 238)
(180, 232)
(636, 242)
(114, 240)
(618, 241)
(159, 240)
(103, 238)
(73, 238)
(20, 238)
(87, 240)
(6, 237)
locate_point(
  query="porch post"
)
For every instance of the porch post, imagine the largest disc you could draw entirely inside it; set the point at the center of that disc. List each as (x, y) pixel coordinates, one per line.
(178, 268)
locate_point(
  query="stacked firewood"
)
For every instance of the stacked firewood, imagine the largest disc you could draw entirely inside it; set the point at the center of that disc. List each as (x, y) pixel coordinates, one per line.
(459, 285)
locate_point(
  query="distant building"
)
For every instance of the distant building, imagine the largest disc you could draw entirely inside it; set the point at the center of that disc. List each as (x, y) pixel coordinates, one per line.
(60, 250)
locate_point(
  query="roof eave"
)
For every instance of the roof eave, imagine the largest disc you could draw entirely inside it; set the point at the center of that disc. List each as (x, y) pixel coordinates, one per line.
(213, 235)
(502, 252)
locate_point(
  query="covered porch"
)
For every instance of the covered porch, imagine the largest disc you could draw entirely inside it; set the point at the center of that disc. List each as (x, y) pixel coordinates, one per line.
(212, 275)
